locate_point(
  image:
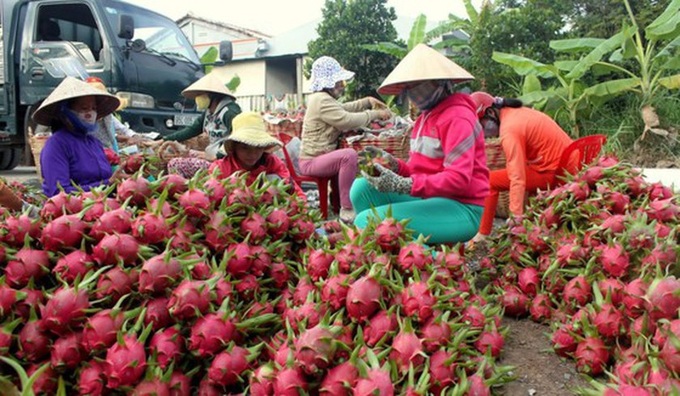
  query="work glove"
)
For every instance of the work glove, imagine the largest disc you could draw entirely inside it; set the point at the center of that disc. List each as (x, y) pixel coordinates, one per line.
(389, 181)
(370, 153)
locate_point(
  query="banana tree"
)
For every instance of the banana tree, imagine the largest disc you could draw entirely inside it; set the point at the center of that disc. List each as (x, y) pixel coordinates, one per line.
(567, 99)
(654, 50)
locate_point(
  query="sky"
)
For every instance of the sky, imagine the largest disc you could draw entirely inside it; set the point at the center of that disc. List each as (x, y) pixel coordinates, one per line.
(277, 16)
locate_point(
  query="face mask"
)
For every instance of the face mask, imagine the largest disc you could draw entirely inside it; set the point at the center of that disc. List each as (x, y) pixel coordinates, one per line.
(426, 95)
(202, 102)
(87, 117)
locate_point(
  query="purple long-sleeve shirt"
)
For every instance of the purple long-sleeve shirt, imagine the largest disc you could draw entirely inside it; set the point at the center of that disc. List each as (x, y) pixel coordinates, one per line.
(72, 156)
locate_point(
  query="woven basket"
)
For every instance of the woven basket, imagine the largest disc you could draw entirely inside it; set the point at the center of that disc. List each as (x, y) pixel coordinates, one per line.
(399, 146)
(198, 143)
(495, 159)
(168, 151)
(291, 128)
(37, 143)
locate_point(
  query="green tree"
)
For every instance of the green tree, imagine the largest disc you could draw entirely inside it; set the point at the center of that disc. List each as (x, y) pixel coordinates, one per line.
(521, 27)
(602, 18)
(347, 25)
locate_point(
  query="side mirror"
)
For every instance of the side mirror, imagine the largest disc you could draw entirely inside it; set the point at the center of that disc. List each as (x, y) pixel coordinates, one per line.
(126, 27)
(138, 45)
(226, 51)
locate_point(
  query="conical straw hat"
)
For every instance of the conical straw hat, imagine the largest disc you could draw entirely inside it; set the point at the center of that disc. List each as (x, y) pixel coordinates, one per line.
(422, 63)
(71, 88)
(211, 82)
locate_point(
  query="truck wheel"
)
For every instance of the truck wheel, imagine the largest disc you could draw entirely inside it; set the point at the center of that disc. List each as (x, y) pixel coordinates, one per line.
(9, 158)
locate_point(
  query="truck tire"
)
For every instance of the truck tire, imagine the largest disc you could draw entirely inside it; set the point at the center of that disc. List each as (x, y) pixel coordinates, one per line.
(9, 158)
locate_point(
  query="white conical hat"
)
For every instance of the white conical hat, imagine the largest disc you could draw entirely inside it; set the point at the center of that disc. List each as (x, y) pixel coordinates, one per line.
(422, 63)
(71, 88)
(211, 82)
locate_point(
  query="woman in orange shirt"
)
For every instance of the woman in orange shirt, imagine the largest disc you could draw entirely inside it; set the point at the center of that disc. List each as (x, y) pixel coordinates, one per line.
(533, 144)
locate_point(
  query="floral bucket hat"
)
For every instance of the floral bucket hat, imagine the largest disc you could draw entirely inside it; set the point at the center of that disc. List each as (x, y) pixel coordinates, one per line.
(326, 71)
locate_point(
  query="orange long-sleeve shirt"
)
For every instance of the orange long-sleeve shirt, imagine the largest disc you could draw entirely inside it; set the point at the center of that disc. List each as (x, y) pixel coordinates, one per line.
(529, 139)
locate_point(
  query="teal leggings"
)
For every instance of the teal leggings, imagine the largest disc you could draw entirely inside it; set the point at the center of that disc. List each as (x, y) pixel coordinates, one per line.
(443, 220)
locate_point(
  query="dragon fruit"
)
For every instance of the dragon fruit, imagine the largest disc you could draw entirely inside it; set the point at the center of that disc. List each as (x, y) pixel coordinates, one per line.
(363, 298)
(663, 298)
(91, 379)
(159, 273)
(190, 299)
(314, 349)
(66, 309)
(418, 301)
(376, 382)
(100, 330)
(211, 334)
(125, 362)
(168, 346)
(67, 351)
(339, 380)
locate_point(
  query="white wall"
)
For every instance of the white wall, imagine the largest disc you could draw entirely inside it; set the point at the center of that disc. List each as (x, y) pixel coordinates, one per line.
(252, 74)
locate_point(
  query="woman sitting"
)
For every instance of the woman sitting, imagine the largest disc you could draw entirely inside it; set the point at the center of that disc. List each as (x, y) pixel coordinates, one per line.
(325, 120)
(533, 144)
(73, 158)
(219, 109)
(249, 148)
(442, 186)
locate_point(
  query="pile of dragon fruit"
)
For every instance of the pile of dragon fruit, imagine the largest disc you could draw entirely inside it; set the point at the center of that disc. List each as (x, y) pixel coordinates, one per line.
(214, 287)
(597, 259)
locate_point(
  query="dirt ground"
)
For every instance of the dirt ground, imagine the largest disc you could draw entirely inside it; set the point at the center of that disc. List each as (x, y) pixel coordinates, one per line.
(539, 371)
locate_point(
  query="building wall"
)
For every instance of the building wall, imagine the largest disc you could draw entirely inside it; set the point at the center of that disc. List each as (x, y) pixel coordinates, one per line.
(251, 73)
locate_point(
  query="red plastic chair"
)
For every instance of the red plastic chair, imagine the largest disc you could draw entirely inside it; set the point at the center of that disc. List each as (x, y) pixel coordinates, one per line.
(321, 182)
(586, 148)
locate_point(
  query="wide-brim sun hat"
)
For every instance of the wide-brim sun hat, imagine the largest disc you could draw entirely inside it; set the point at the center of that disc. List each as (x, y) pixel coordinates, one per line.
(249, 128)
(421, 64)
(482, 101)
(71, 88)
(210, 83)
(326, 72)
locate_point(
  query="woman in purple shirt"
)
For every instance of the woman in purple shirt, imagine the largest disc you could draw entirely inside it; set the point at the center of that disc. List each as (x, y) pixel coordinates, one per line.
(73, 158)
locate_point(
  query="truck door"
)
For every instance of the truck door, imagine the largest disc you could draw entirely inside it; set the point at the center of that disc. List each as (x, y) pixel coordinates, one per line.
(60, 39)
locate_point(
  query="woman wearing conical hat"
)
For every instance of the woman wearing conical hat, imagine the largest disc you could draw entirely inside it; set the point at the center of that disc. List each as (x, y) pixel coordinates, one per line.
(249, 149)
(442, 187)
(73, 158)
(219, 109)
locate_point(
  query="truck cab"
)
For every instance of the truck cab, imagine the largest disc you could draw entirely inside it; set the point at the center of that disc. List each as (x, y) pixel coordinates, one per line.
(139, 54)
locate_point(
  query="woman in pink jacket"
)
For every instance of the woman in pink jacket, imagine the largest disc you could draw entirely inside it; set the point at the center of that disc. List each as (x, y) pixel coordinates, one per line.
(442, 187)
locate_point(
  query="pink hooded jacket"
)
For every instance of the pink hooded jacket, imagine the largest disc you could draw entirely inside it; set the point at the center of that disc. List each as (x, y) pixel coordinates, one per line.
(447, 157)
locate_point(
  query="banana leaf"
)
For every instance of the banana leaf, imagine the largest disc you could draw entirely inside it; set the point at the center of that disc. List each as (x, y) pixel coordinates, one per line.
(667, 24)
(614, 87)
(524, 66)
(417, 32)
(670, 82)
(576, 45)
(597, 54)
(387, 48)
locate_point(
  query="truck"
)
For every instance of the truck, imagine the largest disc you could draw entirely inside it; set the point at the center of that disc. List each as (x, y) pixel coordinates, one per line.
(140, 55)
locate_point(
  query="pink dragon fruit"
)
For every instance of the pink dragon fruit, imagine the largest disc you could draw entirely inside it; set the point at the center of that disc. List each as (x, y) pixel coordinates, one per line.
(211, 334)
(125, 362)
(314, 349)
(168, 345)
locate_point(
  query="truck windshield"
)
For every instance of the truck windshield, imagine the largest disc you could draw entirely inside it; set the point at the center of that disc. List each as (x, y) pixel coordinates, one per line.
(160, 34)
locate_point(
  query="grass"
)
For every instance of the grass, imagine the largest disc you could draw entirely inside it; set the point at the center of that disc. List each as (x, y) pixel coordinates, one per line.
(620, 120)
